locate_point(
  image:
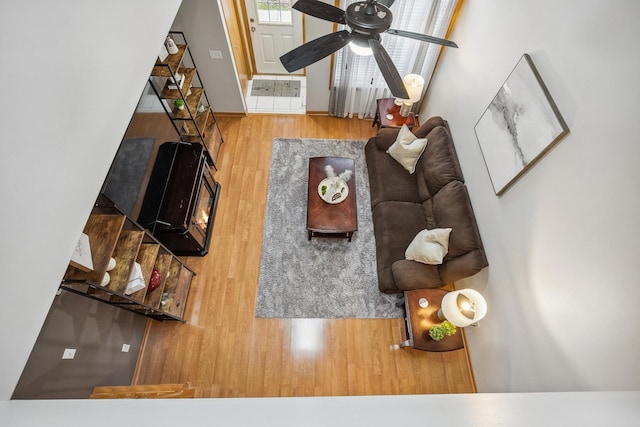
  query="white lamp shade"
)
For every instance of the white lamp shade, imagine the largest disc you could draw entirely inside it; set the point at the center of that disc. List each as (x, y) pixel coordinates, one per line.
(414, 83)
(454, 314)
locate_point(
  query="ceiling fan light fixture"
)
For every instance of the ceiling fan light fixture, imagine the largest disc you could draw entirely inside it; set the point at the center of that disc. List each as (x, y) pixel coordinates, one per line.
(360, 50)
(364, 21)
(359, 44)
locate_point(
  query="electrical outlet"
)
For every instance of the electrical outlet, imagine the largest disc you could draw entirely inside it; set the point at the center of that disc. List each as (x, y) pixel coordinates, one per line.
(69, 353)
(215, 54)
(125, 348)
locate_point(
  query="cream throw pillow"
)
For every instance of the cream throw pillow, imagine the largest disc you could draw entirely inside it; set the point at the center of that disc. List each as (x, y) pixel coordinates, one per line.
(429, 246)
(407, 149)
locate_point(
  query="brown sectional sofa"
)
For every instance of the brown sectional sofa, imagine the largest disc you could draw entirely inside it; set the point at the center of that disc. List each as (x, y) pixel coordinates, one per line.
(433, 197)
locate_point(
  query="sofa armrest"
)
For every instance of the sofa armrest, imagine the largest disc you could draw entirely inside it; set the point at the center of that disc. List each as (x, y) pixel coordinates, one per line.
(410, 275)
(463, 266)
(386, 137)
(429, 125)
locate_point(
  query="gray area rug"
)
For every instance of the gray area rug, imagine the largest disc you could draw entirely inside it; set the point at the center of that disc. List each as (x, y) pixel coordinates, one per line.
(288, 88)
(127, 172)
(321, 278)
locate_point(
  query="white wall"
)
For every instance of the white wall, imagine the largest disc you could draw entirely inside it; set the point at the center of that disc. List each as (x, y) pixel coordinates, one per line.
(204, 26)
(318, 74)
(203, 23)
(562, 285)
(72, 73)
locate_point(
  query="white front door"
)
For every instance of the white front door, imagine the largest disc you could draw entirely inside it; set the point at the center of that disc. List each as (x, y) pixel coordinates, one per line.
(275, 30)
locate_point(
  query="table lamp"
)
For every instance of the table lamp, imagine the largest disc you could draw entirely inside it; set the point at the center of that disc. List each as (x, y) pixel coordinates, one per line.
(414, 83)
(463, 307)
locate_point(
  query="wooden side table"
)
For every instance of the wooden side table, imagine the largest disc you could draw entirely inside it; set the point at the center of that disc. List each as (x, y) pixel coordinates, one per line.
(418, 320)
(388, 108)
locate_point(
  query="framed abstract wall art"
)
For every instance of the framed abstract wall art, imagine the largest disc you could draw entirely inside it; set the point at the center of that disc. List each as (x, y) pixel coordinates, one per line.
(520, 125)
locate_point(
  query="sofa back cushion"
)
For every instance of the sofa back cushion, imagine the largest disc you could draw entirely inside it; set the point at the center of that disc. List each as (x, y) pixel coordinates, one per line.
(438, 164)
(429, 125)
(451, 208)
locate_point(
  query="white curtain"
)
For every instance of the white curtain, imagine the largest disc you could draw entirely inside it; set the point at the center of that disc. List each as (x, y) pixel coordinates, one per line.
(357, 81)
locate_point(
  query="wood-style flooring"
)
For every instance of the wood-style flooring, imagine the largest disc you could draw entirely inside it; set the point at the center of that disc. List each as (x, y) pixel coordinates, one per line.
(224, 351)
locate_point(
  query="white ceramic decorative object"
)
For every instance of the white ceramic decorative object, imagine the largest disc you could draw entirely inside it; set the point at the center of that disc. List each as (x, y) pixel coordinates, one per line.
(105, 279)
(136, 280)
(112, 264)
(336, 190)
(423, 302)
(171, 46)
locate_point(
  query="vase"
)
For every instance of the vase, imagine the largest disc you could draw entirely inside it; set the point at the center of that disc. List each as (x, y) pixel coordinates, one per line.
(171, 46)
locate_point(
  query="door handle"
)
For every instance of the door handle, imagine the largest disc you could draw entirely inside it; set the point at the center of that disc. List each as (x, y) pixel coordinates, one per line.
(252, 20)
(253, 29)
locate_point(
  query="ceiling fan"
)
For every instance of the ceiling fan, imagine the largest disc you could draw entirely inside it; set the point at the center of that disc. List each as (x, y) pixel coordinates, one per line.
(367, 19)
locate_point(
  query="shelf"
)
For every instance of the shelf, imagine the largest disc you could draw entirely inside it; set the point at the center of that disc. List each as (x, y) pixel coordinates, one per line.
(113, 235)
(146, 258)
(193, 126)
(181, 291)
(213, 139)
(170, 63)
(162, 264)
(125, 255)
(189, 74)
(190, 130)
(103, 231)
(192, 102)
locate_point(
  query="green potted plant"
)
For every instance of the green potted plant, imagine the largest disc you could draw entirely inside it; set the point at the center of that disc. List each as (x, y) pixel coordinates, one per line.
(179, 104)
(445, 329)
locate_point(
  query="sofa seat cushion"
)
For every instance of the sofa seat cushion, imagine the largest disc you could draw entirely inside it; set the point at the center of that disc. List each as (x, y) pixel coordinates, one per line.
(451, 208)
(388, 180)
(395, 225)
(438, 165)
(409, 275)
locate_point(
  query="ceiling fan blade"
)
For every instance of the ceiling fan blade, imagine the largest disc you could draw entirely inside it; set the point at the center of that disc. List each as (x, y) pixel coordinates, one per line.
(422, 37)
(314, 50)
(387, 3)
(388, 69)
(321, 10)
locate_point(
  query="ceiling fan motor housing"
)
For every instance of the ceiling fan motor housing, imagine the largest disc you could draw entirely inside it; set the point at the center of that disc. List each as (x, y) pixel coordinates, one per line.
(369, 17)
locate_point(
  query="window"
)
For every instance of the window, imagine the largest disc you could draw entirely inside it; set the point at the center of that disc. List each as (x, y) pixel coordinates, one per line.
(357, 81)
(274, 11)
(414, 16)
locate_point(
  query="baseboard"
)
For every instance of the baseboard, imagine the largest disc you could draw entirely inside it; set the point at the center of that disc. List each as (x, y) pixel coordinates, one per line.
(468, 357)
(230, 114)
(143, 347)
(451, 287)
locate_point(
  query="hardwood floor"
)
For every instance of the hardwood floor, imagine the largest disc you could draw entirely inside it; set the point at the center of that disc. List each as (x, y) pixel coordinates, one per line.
(224, 351)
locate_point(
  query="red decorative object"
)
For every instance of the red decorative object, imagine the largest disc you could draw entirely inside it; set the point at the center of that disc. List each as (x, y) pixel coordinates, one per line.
(155, 280)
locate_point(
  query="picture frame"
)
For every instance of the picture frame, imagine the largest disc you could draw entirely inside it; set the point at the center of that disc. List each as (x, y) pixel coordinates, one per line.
(520, 125)
(81, 257)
